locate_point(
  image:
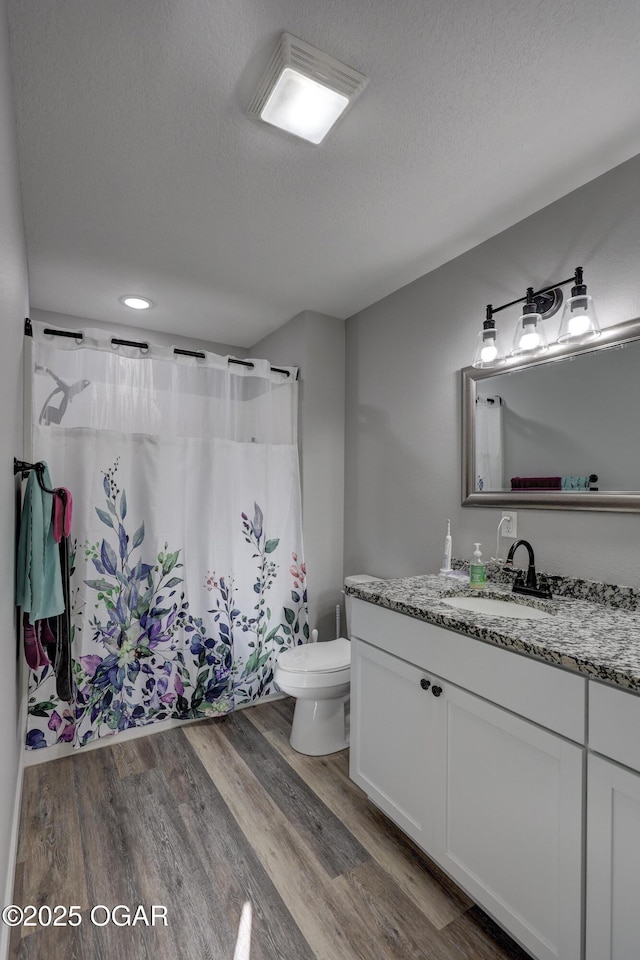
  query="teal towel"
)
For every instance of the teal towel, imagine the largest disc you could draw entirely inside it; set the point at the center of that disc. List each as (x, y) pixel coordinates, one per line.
(575, 483)
(39, 581)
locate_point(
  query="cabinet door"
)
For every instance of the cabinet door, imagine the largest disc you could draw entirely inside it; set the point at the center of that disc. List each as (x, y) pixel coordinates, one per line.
(390, 737)
(613, 861)
(509, 813)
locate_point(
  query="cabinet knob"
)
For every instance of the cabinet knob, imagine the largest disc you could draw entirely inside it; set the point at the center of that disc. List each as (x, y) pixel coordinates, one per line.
(425, 684)
(436, 691)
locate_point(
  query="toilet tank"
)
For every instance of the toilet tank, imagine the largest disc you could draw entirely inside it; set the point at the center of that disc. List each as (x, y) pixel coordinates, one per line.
(352, 582)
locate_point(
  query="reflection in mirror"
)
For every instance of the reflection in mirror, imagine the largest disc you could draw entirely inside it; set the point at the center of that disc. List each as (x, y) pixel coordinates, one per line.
(559, 432)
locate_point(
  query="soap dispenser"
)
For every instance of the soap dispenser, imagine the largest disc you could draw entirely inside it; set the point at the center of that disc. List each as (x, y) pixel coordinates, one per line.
(477, 570)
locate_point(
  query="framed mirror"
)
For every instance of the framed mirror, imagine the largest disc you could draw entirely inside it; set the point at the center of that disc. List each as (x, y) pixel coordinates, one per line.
(557, 432)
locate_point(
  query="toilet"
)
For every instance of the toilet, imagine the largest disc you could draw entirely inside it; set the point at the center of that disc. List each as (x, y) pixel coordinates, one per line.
(318, 675)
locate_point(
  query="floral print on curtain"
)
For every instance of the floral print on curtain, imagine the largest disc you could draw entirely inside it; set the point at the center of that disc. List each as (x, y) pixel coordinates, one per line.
(152, 657)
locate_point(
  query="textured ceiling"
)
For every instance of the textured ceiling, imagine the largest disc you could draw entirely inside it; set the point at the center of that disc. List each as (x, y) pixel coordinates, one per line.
(142, 174)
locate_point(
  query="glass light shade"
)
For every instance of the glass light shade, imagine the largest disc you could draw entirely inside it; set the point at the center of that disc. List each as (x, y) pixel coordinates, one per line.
(579, 321)
(486, 352)
(303, 106)
(530, 339)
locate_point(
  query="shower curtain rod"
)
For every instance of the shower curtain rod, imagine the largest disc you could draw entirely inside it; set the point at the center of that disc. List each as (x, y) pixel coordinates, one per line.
(116, 342)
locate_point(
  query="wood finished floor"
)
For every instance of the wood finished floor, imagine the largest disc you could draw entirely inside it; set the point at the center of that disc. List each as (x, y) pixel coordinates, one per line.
(201, 819)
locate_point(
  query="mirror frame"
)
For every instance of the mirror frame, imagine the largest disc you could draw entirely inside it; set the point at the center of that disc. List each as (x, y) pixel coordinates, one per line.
(620, 500)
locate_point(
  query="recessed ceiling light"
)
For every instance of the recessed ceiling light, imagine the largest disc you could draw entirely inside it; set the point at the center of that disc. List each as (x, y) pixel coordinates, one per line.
(304, 91)
(136, 302)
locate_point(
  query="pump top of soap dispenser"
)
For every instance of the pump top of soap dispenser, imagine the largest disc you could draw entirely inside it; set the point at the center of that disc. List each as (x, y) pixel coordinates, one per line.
(477, 553)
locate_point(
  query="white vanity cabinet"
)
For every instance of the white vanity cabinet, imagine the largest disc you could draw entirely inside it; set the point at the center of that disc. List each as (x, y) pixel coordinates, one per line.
(470, 769)
(613, 825)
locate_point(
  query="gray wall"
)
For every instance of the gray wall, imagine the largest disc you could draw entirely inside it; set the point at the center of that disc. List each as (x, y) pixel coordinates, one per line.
(316, 344)
(13, 309)
(404, 354)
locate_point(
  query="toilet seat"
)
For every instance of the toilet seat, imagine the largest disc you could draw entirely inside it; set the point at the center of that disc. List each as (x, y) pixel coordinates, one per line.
(329, 656)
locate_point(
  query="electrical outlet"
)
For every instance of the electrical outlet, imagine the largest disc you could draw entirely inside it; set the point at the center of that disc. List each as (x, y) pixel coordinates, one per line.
(510, 526)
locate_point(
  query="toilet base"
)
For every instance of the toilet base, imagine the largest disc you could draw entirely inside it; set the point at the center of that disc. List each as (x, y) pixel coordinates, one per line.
(319, 727)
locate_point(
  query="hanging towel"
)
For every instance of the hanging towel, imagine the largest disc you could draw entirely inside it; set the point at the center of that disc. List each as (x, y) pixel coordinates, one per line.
(56, 632)
(536, 483)
(39, 581)
(62, 511)
(33, 649)
(488, 434)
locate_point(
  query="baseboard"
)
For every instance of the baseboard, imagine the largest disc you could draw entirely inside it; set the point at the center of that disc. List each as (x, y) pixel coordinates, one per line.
(5, 931)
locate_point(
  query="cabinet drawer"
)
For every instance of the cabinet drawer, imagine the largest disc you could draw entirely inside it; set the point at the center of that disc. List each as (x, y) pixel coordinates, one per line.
(614, 723)
(540, 692)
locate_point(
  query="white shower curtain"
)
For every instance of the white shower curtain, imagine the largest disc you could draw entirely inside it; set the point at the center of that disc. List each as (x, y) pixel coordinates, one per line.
(188, 573)
(489, 466)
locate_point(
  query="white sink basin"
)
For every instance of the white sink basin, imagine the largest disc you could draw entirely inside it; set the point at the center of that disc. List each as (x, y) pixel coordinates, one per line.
(498, 608)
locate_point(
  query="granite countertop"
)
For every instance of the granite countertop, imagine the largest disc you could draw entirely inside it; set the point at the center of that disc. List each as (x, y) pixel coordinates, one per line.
(599, 638)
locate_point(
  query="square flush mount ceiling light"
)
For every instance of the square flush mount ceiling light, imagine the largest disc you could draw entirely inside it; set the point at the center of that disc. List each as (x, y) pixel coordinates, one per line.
(304, 91)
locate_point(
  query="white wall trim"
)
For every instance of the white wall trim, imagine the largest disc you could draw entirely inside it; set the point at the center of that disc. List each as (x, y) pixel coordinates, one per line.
(5, 931)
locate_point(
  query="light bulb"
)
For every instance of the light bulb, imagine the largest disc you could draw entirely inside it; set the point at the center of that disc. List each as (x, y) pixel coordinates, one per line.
(530, 340)
(530, 337)
(489, 352)
(579, 325)
(579, 320)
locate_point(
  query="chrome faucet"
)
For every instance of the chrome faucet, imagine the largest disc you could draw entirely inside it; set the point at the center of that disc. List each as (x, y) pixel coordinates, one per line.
(531, 587)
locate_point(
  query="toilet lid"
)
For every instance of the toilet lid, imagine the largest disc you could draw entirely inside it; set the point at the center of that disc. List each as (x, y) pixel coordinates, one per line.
(326, 656)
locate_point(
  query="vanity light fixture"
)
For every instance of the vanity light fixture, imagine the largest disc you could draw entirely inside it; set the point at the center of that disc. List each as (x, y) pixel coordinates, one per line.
(136, 302)
(304, 91)
(579, 322)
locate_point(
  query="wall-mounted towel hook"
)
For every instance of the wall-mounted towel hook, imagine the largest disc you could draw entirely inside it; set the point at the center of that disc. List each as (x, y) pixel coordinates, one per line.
(24, 468)
(21, 466)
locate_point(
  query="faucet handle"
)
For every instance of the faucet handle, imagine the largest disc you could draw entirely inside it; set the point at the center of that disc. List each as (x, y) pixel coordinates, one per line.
(543, 585)
(519, 579)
